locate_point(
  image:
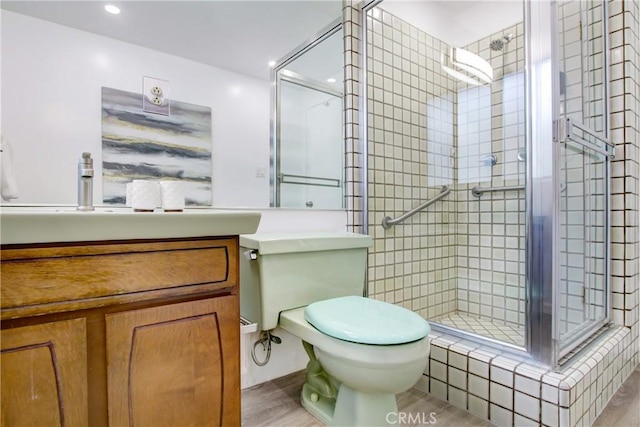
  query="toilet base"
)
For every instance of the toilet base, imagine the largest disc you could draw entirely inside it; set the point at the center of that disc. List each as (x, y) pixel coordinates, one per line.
(320, 407)
(351, 408)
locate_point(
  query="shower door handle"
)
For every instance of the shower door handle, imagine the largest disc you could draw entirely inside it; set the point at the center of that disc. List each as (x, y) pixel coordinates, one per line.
(568, 130)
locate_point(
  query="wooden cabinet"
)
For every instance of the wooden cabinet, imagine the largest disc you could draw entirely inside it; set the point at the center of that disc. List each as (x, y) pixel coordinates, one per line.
(141, 333)
(44, 374)
(169, 365)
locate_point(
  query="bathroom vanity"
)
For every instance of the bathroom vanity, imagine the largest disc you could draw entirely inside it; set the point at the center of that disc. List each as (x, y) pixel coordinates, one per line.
(137, 330)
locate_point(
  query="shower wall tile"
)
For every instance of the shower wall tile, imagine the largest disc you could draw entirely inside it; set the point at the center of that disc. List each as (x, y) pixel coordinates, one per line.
(624, 59)
(462, 253)
(353, 152)
(490, 229)
(413, 263)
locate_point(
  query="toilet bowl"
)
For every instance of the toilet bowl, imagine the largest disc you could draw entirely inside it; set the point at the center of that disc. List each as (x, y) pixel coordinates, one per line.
(368, 375)
(362, 352)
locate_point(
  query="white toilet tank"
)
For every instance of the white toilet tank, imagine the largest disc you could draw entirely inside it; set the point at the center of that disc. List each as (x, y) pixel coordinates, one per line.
(282, 271)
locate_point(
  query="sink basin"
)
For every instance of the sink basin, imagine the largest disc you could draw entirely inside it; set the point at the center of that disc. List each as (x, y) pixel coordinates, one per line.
(58, 209)
(47, 224)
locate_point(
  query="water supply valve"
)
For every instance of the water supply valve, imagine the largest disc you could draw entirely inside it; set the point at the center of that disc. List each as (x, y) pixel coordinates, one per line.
(251, 255)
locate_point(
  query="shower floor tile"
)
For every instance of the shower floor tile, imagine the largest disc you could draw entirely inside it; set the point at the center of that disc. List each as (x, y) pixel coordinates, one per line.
(492, 329)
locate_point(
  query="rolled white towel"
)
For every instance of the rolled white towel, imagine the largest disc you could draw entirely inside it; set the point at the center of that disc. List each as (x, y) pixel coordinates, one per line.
(8, 186)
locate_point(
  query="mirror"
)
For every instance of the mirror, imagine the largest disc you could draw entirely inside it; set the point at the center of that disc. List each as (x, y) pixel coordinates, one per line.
(308, 136)
(58, 55)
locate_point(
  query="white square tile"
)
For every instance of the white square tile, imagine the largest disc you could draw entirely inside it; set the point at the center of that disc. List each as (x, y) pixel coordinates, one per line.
(479, 368)
(479, 386)
(438, 353)
(500, 416)
(527, 405)
(502, 376)
(563, 398)
(484, 355)
(438, 389)
(479, 407)
(457, 378)
(549, 414)
(457, 360)
(564, 417)
(520, 421)
(501, 395)
(458, 398)
(550, 393)
(527, 385)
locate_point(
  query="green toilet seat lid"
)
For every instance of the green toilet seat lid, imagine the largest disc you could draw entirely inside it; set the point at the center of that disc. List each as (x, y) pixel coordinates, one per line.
(366, 321)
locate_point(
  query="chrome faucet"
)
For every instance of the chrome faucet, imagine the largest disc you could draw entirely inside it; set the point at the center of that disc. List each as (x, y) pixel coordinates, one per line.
(85, 183)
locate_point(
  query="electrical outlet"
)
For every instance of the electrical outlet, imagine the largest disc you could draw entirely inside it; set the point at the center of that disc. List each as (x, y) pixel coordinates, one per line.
(155, 96)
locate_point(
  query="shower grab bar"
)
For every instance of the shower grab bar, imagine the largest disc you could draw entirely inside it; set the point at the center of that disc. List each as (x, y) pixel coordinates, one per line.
(477, 190)
(388, 222)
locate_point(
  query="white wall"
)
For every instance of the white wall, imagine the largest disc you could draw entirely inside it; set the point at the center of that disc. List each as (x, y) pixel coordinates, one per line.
(51, 109)
(1, 18)
(51, 112)
(293, 220)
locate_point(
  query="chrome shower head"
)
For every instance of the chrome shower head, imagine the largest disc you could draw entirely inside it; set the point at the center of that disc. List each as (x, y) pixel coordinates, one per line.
(496, 45)
(499, 44)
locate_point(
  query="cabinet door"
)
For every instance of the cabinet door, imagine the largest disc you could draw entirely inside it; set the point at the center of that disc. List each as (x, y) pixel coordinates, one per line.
(44, 374)
(175, 365)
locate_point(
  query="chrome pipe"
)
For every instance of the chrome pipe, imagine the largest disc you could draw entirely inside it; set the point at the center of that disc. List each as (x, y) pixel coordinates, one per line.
(388, 222)
(477, 190)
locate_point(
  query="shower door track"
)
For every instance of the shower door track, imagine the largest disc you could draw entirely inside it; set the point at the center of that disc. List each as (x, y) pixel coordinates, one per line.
(592, 333)
(481, 340)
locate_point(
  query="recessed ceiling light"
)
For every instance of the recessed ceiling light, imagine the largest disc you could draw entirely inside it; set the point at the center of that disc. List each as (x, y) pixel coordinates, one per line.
(112, 9)
(272, 63)
(331, 80)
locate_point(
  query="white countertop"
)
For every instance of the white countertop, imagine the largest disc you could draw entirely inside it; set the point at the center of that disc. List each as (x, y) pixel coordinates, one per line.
(48, 224)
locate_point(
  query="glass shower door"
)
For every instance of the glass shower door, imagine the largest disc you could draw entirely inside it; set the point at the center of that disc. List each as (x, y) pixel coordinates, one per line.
(581, 295)
(582, 291)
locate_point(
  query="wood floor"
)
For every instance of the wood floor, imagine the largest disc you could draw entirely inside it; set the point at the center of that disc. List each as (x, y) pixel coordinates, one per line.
(277, 403)
(623, 409)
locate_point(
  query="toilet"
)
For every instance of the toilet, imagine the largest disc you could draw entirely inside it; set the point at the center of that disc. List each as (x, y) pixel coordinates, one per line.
(362, 351)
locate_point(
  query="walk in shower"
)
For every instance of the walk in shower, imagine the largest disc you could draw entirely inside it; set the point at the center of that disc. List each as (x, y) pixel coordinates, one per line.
(488, 120)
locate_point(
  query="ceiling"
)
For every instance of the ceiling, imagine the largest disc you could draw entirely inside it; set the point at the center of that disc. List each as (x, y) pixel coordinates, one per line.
(458, 22)
(237, 35)
(243, 36)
